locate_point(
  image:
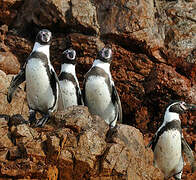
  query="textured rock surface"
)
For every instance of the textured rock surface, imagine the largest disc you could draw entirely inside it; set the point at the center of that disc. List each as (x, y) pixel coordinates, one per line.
(154, 46)
(74, 145)
(18, 104)
(9, 63)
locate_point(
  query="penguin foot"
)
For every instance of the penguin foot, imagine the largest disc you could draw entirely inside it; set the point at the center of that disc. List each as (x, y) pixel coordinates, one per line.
(178, 176)
(41, 122)
(32, 118)
(110, 134)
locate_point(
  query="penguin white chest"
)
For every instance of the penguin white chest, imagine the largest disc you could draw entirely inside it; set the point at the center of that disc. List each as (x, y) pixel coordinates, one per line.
(98, 98)
(39, 92)
(168, 151)
(68, 93)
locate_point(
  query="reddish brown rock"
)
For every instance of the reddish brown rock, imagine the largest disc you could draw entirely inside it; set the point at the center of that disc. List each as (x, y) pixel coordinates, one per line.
(153, 46)
(3, 31)
(19, 46)
(18, 104)
(42, 13)
(179, 27)
(9, 63)
(70, 15)
(75, 150)
(5, 135)
(9, 10)
(130, 23)
(164, 78)
(14, 153)
(84, 14)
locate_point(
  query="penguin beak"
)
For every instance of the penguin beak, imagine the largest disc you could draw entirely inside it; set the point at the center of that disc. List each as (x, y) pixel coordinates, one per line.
(191, 107)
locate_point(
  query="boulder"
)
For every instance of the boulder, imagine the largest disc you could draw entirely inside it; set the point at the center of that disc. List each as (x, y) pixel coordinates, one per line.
(75, 145)
(178, 31)
(132, 24)
(67, 15)
(18, 104)
(9, 10)
(9, 63)
(153, 45)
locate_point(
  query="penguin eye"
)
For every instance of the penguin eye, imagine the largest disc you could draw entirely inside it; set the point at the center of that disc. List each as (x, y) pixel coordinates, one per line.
(70, 56)
(66, 53)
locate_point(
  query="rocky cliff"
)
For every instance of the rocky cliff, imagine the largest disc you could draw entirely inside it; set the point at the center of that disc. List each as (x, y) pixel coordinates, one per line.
(154, 60)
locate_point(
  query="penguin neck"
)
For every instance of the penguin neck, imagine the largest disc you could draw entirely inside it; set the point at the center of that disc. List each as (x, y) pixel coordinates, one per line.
(170, 116)
(103, 65)
(42, 48)
(68, 68)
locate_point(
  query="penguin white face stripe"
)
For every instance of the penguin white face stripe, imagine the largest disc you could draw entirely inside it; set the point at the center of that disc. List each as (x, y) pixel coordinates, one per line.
(183, 106)
(69, 68)
(42, 48)
(170, 116)
(103, 65)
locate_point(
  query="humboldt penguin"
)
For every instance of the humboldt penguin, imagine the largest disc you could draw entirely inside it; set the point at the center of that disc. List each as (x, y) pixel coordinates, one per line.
(99, 91)
(42, 84)
(71, 93)
(168, 143)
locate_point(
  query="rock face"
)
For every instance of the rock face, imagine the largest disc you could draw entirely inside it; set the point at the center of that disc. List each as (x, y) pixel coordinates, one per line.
(18, 104)
(75, 145)
(154, 54)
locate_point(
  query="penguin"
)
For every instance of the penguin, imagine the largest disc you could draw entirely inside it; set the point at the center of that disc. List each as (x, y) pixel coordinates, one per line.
(42, 84)
(99, 91)
(168, 143)
(71, 93)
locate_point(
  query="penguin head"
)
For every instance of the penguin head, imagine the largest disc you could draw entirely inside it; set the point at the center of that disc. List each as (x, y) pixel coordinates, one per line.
(44, 37)
(69, 56)
(105, 54)
(180, 107)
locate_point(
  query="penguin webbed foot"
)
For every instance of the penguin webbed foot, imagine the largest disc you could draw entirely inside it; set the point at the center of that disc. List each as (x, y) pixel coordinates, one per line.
(9, 97)
(178, 176)
(41, 122)
(112, 130)
(32, 118)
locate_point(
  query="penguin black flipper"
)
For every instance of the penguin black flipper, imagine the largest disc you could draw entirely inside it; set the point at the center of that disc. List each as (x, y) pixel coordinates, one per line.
(189, 153)
(152, 142)
(83, 91)
(116, 101)
(79, 96)
(16, 81)
(60, 98)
